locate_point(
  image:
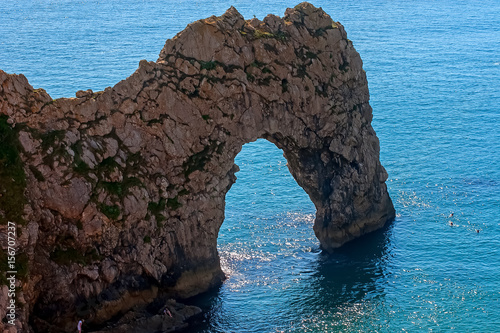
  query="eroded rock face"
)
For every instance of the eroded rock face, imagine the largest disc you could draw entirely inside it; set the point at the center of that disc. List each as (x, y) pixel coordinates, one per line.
(124, 189)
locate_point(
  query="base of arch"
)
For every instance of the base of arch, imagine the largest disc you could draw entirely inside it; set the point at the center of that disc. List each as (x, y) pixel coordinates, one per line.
(332, 237)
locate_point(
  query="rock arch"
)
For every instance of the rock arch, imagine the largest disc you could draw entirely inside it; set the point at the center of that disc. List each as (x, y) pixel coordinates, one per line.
(125, 188)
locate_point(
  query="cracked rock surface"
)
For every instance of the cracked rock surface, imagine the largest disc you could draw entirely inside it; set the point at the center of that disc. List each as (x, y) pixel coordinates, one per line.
(119, 194)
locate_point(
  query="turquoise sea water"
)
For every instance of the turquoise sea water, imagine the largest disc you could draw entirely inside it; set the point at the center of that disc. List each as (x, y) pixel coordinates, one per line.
(434, 75)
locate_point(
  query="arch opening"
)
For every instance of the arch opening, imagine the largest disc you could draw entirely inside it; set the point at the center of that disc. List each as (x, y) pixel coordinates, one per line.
(267, 213)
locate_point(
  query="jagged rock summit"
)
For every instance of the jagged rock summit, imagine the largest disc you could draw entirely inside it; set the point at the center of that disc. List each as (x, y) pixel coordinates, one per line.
(119, 195)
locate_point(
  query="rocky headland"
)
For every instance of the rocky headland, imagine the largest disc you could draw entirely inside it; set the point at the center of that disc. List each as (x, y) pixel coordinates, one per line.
(118, 195)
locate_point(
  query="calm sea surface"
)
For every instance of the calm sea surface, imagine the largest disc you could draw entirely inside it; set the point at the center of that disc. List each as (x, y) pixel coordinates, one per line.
(434, 75)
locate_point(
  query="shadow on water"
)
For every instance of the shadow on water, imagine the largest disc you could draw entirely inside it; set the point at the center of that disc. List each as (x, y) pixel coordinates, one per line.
(328, 282)
(352, 272)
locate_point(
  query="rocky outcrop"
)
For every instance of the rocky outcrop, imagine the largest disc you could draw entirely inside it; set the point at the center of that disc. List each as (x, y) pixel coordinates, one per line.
(119, 195)
(171, 317)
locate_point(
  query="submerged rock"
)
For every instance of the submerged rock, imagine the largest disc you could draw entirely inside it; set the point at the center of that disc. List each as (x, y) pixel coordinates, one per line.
(123, 190)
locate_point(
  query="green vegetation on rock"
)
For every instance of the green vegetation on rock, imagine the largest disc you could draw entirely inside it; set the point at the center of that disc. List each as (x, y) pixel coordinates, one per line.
(111, 211)
(108, 165)
(71, 255)
(79, 166)
(12, 176)
(157, 207)
(280, 35)
(198, 160)
(173, 203)
(209, 65)
(344, 66)
(284, 85)
(50, 139)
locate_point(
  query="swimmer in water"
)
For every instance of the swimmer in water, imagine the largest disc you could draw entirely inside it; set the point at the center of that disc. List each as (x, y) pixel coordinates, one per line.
(451, 215)
(451, 224)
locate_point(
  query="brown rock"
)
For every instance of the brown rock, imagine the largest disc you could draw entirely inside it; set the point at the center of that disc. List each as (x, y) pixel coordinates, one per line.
(68, 199)
(82, 93)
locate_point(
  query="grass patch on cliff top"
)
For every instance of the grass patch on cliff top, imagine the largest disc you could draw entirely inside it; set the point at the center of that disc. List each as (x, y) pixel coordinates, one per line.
(280, 35)
(12, 176)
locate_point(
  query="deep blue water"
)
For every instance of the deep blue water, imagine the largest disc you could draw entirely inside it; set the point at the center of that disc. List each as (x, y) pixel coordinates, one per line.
(434, 75)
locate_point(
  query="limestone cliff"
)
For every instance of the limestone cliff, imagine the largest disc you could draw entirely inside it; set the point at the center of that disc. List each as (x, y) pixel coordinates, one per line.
(119, 195)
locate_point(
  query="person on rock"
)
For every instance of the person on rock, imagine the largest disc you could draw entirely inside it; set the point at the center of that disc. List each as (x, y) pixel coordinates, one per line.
(167, 311)
(79, 326)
